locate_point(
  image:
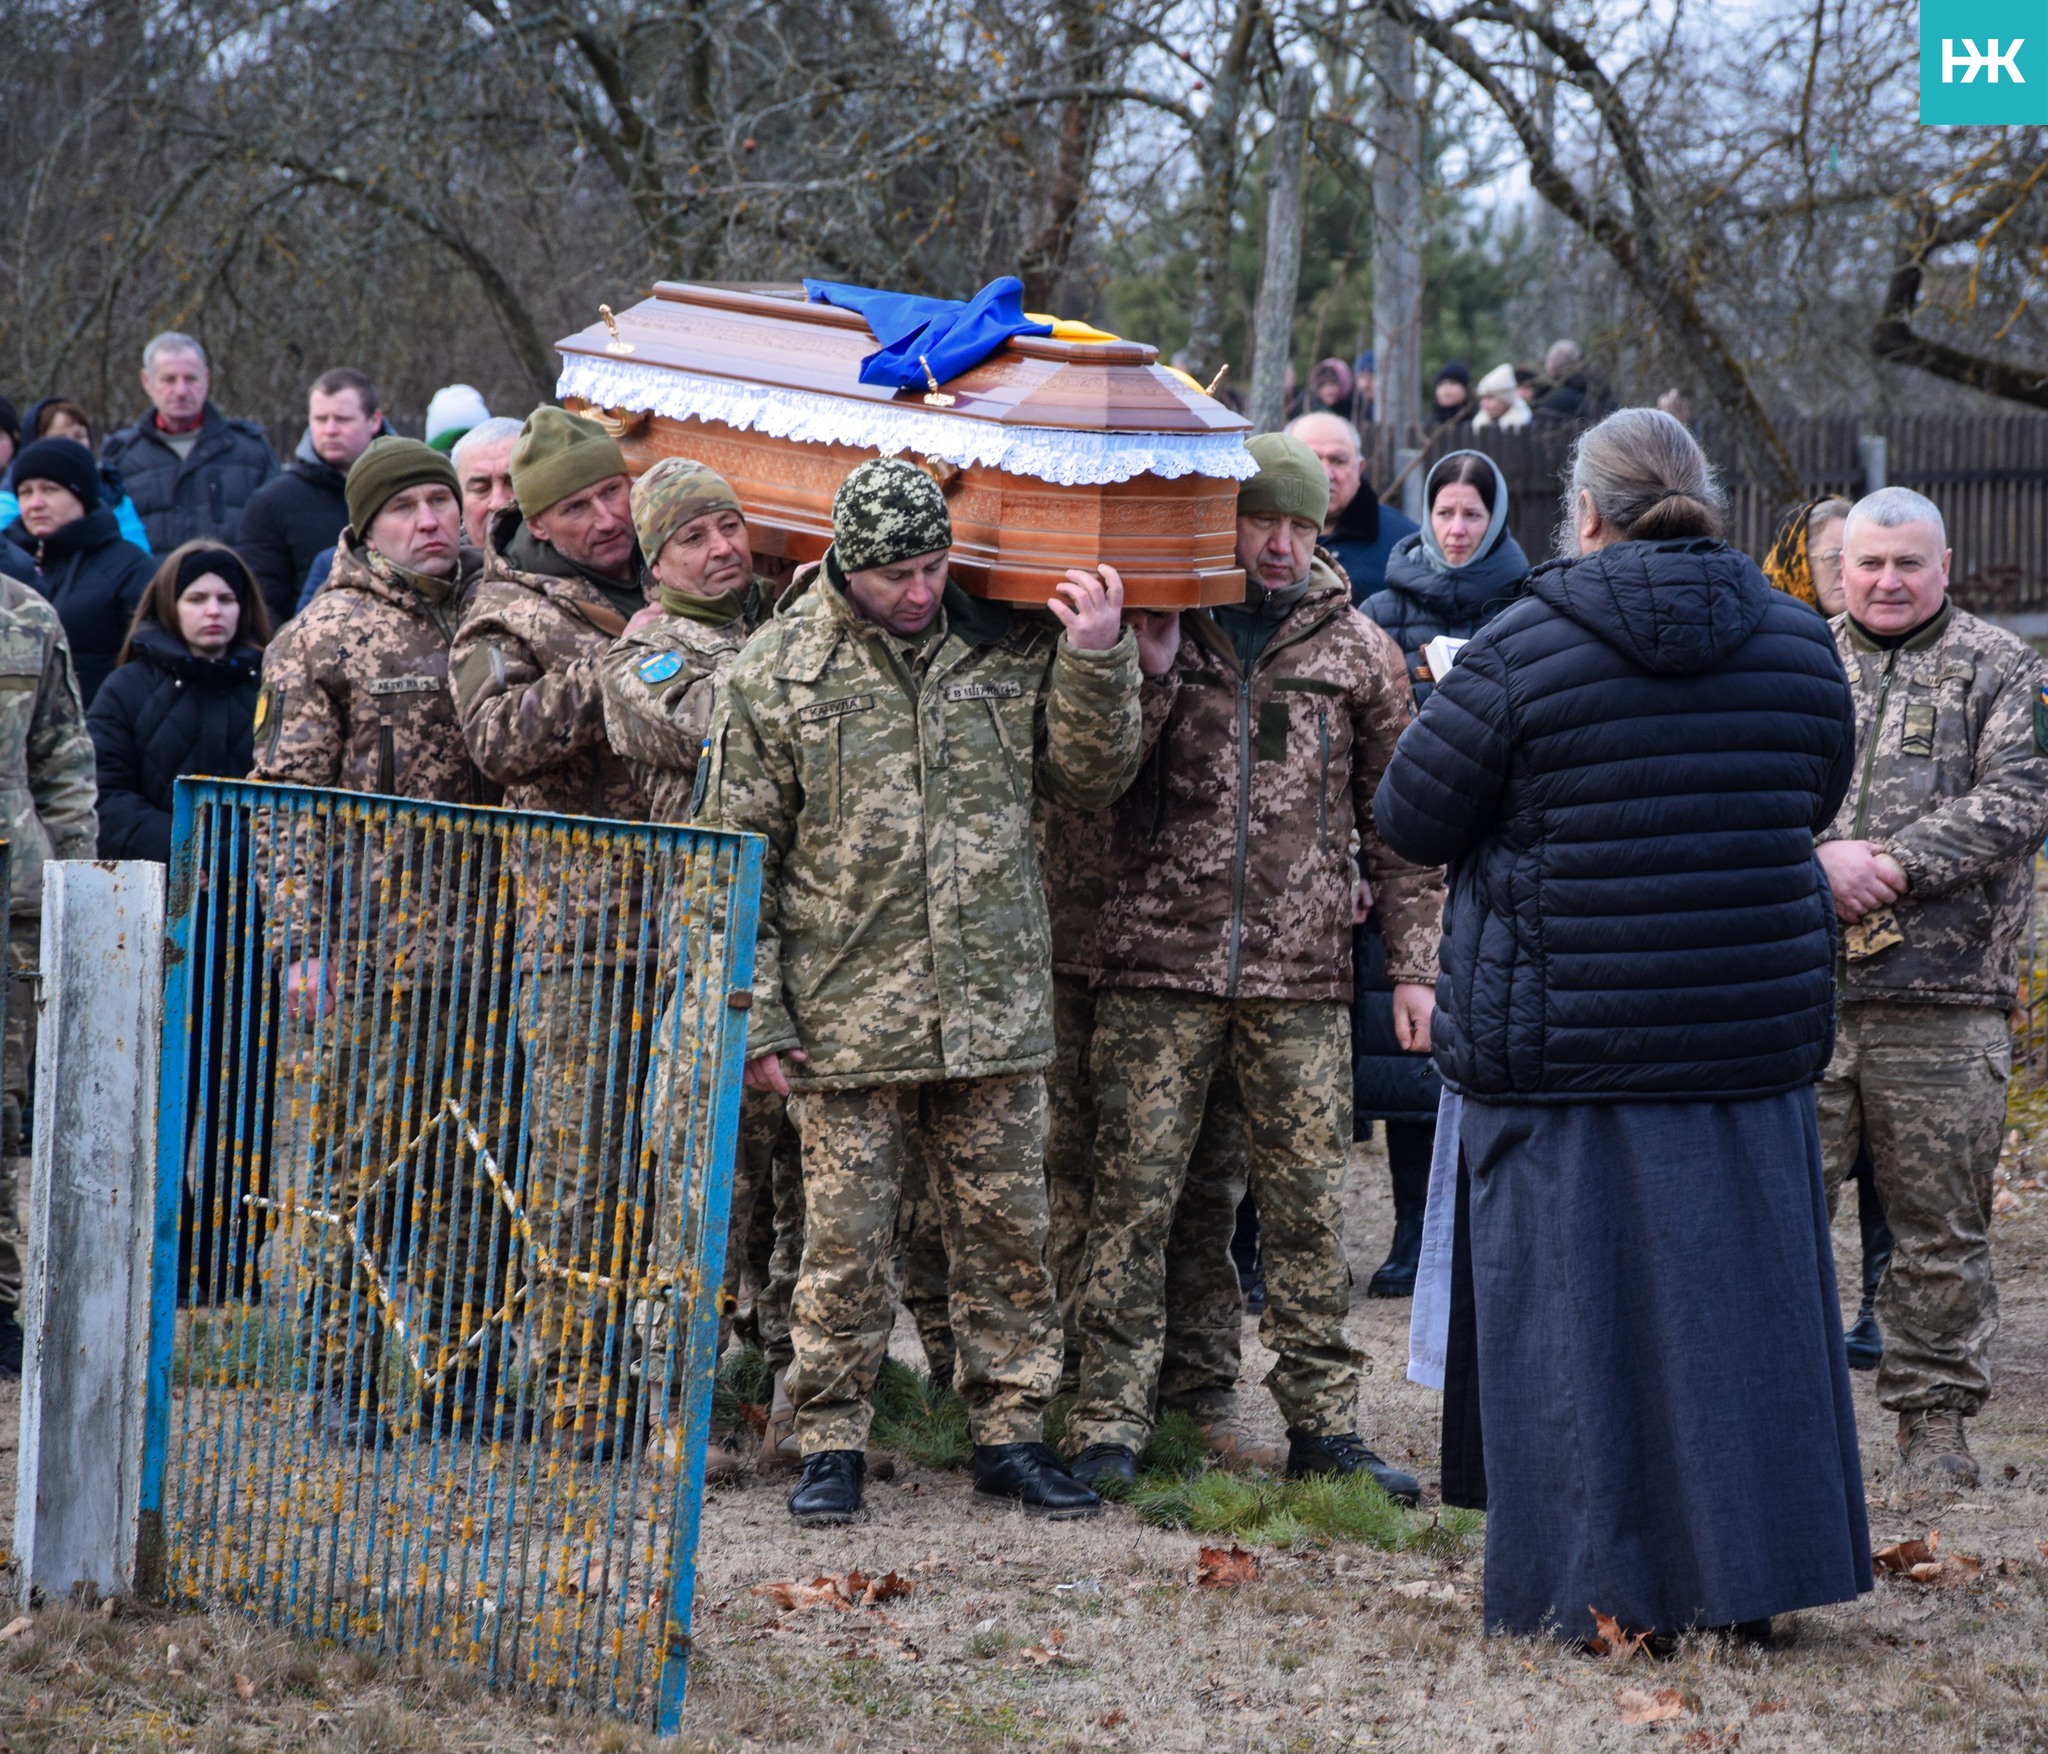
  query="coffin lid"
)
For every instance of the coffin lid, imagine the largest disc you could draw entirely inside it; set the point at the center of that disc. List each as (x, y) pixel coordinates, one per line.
(1071, 412)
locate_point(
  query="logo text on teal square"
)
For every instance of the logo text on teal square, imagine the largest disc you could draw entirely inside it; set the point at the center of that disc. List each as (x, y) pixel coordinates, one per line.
(1984, 63)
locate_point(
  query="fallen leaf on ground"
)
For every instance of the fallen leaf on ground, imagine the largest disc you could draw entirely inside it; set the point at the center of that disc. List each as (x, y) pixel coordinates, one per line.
(245, 1687)
(1422, 1587)
(2041, 1547)
(1219, 1569)
(1110, 1719)
(1956, 1568)
(1638, 1707)
(2005, 1200)
(1902, 1556)
(15, 1627)
(853, 1590)
(1610, 1641)
(1765, 1707)
(1040, 1656)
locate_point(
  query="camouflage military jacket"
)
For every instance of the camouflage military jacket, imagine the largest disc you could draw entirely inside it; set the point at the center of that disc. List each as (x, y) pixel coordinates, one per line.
(903, 923)
(658, 683)
(48, 795)
(355, 688)
(1230, 862)
(355, 698)
(526, 667)
(1073, 851)
(1952, 781)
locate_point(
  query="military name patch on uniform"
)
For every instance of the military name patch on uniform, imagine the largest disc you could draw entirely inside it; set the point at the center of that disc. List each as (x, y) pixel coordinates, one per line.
(659, 668)
(832, 709)
(404, 685)
(986, 691)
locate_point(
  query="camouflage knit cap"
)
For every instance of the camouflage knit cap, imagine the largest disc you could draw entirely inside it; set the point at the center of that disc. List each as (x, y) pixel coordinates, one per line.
(558, 453)
(885, 511)
(670, 494)
(1290, 482)
(387, 467)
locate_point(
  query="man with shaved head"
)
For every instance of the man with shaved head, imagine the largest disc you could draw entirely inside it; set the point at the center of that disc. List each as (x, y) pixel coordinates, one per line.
(1931, 864)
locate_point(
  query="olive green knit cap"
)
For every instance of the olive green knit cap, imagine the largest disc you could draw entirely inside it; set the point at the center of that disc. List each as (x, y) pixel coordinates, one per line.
(1290, 482)
(557, 454)
(387, 467)
(673, 492)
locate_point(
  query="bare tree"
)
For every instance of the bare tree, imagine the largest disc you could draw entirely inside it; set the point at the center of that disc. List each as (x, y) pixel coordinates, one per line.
(1273, 319)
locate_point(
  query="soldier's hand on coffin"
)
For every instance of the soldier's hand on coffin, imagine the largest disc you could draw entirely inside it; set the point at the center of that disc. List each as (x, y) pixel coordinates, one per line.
(309, 990)
(1862, 876)
(1157, 632)
(766, 1073)
(1093, 608)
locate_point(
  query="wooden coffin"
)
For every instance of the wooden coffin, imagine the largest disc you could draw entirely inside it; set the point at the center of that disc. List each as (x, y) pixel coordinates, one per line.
(1052, 454)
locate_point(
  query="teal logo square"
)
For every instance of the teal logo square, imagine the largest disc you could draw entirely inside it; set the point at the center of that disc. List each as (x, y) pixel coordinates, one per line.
(1984, 63)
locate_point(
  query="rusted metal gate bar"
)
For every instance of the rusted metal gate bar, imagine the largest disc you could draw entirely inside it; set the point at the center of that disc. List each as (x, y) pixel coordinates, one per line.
(450, 1103)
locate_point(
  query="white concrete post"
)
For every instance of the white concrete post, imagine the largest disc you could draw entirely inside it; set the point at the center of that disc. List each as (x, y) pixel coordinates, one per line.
(92, 1215)
(1873, 451)
(1412, 483)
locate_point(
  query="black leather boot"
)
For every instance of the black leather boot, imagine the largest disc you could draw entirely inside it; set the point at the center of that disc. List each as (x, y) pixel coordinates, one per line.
(1106, 1467)
(1345, 1453)
(1409, 1145)
(1865, 1340)
(829, 1491)
(1029, 1474)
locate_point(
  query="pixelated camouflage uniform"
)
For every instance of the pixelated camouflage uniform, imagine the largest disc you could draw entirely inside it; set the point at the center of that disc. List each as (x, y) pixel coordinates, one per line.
(1226, 943)
(1951, 731)
(904, 948)
(658, 681)
(1204, 1306)
(527, 671)
(355, 698)
(48, 798)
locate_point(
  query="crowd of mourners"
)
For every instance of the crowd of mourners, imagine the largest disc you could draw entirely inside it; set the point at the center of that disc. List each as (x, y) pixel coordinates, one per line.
(1645, 895)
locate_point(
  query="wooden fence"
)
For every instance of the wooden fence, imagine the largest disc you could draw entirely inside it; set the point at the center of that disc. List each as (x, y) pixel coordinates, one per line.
(1988, 473)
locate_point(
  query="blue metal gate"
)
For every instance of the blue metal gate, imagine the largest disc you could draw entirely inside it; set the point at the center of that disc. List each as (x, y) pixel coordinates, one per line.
(450, 1099)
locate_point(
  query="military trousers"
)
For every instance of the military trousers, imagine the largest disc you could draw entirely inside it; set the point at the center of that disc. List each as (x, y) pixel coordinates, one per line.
(590, 1192)
(1924, 1086)
(398, 1221)
(767, 1235)
(1155, 1055)
(983, 1142)
(1204, 1304)
(17, 1060)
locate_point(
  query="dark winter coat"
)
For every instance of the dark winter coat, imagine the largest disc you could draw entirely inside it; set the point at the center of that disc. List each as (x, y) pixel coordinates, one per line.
(164, 713)
(1625, 773)
(1363, 537)
(201, 496)
(96, 581)
(16, 562)
(289, 521)
(1420, 601)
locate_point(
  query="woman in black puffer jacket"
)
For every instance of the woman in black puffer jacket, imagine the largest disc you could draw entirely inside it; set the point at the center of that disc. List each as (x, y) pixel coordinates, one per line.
(91, 575)
(183, 701)
(1447, 581)
(183, 698)
(1624, 774)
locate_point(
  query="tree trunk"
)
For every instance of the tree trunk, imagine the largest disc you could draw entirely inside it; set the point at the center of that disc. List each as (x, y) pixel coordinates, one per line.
(1397, 222)
(1216, 164)
(1280, 274)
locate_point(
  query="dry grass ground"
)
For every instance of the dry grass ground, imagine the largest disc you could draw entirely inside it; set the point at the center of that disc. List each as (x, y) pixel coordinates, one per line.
(1095, 1635)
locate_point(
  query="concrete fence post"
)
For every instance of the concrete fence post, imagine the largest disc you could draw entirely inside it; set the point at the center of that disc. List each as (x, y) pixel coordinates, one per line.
(92, 1208)
(1873, 454)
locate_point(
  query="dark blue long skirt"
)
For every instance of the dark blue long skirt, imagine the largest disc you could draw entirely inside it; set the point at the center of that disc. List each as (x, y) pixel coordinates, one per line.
(1664, 1399)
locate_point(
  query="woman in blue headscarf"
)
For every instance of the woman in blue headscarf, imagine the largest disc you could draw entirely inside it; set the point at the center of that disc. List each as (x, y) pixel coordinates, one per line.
(1446, 581)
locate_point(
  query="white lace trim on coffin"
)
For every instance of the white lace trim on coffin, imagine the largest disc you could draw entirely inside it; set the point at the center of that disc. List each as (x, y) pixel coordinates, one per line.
(1068, 459)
